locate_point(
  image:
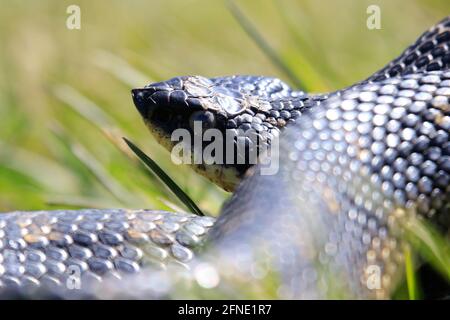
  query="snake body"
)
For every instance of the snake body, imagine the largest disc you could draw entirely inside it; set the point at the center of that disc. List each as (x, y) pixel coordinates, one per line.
(355, 166)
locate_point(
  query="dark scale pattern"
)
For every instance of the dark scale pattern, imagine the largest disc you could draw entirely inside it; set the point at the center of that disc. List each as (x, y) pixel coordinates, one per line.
(352, 171)
(430, 52)
(264, 87)
(38, 250)
(355, 165)
(255, 108)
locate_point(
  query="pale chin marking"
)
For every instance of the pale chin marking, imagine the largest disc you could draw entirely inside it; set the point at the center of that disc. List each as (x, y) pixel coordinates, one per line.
(225, 177)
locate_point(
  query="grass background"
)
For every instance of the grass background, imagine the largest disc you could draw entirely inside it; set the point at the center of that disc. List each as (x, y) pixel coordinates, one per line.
(65, 94)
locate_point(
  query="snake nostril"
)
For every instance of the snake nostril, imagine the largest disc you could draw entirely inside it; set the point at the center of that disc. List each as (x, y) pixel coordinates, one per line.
(141, 101)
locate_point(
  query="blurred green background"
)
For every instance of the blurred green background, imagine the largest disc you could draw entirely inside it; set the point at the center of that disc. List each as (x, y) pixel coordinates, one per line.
(65, 94)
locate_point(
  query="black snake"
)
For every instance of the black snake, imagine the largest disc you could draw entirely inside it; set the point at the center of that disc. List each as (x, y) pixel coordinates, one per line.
(355, 165)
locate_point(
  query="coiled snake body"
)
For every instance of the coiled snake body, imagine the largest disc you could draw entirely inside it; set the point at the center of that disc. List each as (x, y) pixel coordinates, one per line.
(355, 166)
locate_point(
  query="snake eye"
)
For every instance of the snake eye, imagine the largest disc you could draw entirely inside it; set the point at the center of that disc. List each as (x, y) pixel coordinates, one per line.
(205, 117)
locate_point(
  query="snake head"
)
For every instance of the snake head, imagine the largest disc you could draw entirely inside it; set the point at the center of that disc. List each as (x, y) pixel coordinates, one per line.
(160, 102)
(246, 106)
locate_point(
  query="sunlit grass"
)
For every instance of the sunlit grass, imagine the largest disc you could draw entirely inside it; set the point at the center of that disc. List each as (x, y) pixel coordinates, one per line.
(65, 97)
(153, 166)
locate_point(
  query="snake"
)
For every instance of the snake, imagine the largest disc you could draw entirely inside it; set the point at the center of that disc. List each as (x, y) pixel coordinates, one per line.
(354, 168)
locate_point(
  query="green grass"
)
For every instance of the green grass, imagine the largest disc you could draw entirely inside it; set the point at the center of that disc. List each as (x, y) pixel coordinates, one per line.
(65, 97)
(164, 177)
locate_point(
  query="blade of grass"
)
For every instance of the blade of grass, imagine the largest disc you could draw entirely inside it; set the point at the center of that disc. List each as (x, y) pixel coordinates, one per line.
(411, 280)
(170, 205)
(256, 36)
(79, 202)
(95, 168)
(101, 121)
(153, 189)
(96, 116)
(430, 244)
(44, 170)
(101, 174)
(320, 75)
(180, 194)
(120, 69)
(19, 191)
(83, 106)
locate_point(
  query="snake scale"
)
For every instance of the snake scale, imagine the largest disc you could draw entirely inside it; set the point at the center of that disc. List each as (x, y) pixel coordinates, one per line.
(354, 166)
